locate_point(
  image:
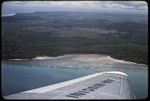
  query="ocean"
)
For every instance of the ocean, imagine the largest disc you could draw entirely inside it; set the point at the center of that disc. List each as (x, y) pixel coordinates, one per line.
(21, 75)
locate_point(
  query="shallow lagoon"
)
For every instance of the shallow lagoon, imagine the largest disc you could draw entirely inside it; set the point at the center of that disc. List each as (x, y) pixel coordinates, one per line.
(21, 75)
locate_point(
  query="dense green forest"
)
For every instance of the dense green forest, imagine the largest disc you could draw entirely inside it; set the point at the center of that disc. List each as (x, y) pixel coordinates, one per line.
(57, 33)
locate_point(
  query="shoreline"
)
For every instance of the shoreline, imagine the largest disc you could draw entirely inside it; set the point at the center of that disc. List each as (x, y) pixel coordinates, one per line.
(80, 57)
(7, 15)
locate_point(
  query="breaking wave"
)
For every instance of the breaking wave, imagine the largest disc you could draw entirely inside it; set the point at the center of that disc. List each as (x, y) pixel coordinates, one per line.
(10, 14)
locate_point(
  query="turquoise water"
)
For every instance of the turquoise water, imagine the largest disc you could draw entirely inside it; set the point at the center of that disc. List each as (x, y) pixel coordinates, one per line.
(139, 82)
(19, 76)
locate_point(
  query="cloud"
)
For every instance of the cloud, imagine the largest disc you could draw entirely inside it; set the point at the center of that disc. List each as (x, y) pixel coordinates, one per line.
(73, 5)
(122, 4)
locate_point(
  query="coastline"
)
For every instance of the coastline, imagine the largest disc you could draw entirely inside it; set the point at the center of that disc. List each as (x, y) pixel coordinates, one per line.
(80, 57)
(7, 15)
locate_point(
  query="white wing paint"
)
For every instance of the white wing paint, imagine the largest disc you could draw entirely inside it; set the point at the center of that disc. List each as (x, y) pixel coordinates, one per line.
(104, 85)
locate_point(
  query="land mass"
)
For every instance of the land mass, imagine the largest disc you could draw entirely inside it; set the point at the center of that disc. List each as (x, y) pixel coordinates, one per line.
(28, 35)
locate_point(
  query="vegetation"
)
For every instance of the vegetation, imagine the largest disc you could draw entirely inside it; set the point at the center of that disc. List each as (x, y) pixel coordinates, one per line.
(58, 33)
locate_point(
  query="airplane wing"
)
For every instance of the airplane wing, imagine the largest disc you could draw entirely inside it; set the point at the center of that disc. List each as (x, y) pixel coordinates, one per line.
(104, 85)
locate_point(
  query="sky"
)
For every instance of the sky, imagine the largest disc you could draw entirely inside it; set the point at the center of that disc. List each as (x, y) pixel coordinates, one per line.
(83, 6)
